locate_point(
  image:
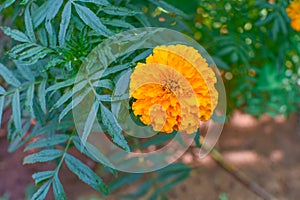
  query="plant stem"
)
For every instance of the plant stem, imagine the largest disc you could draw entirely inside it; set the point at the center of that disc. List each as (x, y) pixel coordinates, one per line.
(240, 176)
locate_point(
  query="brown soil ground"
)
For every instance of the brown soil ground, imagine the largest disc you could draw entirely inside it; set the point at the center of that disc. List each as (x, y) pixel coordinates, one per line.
(267, 150)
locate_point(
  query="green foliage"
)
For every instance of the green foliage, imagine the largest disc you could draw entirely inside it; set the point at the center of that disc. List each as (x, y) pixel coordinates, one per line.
(251, 41)
(258, 50)
(49, 42)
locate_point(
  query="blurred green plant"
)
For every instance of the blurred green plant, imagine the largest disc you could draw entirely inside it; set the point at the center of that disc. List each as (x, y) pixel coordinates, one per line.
(253, 43)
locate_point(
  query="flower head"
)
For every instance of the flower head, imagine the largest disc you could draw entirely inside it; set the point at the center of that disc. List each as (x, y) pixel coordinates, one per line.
(293, 11)
(174, 89)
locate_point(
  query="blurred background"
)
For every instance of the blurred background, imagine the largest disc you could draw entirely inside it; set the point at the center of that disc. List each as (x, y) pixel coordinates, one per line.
(257, 52)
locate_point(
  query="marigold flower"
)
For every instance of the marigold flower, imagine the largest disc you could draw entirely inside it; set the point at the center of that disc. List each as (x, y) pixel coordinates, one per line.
(293, 11)
(174, 89)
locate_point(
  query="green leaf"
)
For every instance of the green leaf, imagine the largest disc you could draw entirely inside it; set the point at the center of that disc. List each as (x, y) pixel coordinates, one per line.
(42, 176)
(91, 19)
(85, 174)
(140, 192)
(119, 11)
(42, 191)
(55, 126)
(51, 13)
(29, 99)
(60, 85)
(2, 91)
(15, 34)
(117, 23)
(40, 13)
(25, 71)
(16, 111)
(120, 89)
(42, 95)
(88, 126)
(8, 76)
(98, 2)
(1, 108)
(24, 2)
(128, 178)
(6, 4)
(91, 151)
(43, 36)
(63, 99)
(20, 47)
(47, 142)
(65, 20)
(38, 113)
(74, 103)
(113, 128)
(105, 83)
(43, 156)
(29, 25)
(169, 8)
(142, 55)
(58, 190)
(114, 69)
(29, 53)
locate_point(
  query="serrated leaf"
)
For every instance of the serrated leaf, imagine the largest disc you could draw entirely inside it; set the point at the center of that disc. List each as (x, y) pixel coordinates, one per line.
(91, 151)
(120, 89)
(19, 48)
(25, 71)
(74, 103)
(1, 108)
(19, 140)
(29, 99)
(98, 2)
(42, 192)
(114, 69)
(16, 111)
(43, 36)
(119, 11)
(47, 142)
(91, 19)
(113, 128)
(58, 190)
(29, 53)
(38, 113)
(63, 99)
(51, 13)
(29, 25)
(65, 20)
(117, 23)
(60, 85)
(42, 176)
(15, 34)
(43, 156)
(88, 126)
(8, 76)
(40, 13)
(85, 174)
(52, 37)
(42, 95)
(105, 83)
